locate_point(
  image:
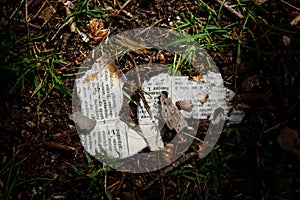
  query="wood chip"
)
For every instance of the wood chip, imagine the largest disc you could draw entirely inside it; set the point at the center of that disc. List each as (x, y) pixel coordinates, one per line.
(296, 20)
(204, 99)
(182, 105)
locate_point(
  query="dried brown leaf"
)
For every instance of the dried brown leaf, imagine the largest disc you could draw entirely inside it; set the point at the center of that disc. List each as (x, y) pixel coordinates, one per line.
(171, 115)
(288, 139)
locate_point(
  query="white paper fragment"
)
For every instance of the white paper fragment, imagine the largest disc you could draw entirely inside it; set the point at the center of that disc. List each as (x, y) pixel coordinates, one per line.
(236, 116)
(83, 36)
(69, 4)
(179, 88)
(101, 97)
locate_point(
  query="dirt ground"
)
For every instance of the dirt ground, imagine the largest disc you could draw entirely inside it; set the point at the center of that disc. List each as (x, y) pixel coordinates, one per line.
(254, 162)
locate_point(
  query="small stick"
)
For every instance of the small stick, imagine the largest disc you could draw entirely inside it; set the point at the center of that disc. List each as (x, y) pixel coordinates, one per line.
(61, 27)
(28, 30)
(122, 7)
(73, 24)
(130, 44)
(46, 19)
(41, 8)
(140, 92)
(274, 127)
(137, 69)
(58, 146)
(209, 8)
(105, 182)
(230, 9)
(70, 21)
(27, 23)
(152, 25)
(125, 4)
(12, 15)
(292, 6)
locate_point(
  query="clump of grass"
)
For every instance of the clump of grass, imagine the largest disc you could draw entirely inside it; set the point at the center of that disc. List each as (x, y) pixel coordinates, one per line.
(95, 177)
(206, 27)
(83, 11)
(252, 34)
(20, 59)
(8, 176)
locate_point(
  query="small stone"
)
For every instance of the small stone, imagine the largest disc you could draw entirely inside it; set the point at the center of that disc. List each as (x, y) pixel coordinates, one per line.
(83, 122)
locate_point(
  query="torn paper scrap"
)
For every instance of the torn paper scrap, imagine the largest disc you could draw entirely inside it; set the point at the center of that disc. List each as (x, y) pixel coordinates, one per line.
(204, 97)
(100, 94)
(101, 99)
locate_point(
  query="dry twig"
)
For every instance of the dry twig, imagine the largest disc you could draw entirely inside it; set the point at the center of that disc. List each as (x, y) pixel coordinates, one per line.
(230, 9)
(290, 5)
(140, 92)
(58, 146)
(209, 8)
(41, 8)
(130, 44)
(125, 4)
(12, 15)
(73, 24)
